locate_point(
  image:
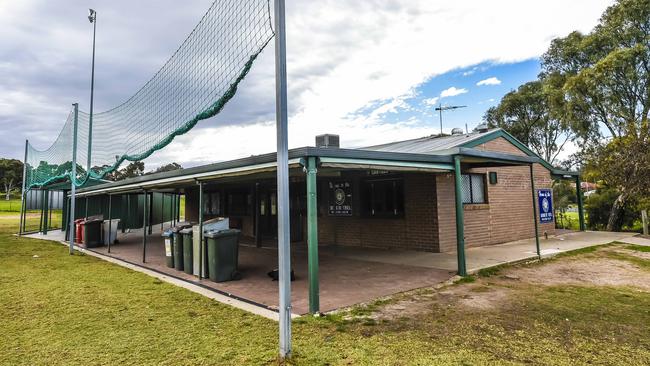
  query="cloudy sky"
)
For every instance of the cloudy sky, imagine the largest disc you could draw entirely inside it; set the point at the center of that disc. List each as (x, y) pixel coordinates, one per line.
(371, 71)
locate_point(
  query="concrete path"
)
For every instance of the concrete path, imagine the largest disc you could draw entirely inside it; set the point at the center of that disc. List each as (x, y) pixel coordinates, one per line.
(488, 256)
(59, 236)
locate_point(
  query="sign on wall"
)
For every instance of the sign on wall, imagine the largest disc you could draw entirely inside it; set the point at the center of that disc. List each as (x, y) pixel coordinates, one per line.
(545, 205)
(340, 198)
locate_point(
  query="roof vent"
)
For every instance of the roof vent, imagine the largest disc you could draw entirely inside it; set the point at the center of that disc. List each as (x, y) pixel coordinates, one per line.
(456, 131)
(327, 140)
(482, 127)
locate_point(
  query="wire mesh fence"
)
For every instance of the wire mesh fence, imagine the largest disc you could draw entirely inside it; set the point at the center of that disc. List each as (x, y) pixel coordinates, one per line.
(194, 84)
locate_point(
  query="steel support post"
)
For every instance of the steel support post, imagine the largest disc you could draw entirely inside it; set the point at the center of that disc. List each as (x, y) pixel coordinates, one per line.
(46, 213)
(201, 243)
(258, 239)
(49, 210)
(40, 224)
(22, 191)
(460, 218)
(312, 235)
(150, 213)
(284, 249)
(92, 92)
(73, 177)
(110, 221)
(581, 209)
(145, 221)
(532, 188)
(162, 212)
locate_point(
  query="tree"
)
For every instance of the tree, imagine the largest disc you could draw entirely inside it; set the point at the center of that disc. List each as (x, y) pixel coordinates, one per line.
(134, 169)
(11, 175)
(606, 77)
(528, 114)
(167, 168)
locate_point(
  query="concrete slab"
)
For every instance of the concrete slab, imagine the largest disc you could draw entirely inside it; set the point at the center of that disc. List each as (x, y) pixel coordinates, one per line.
(343, 281)
(483, 257)
(636, 240)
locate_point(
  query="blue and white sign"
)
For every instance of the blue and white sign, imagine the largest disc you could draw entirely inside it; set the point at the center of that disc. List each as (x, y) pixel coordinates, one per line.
(545, 205)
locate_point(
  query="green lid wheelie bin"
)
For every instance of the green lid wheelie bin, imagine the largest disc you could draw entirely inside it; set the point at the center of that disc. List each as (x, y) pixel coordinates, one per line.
(168, 237)
(188, 265)
(223, 255)
(177, 244)
(92, 233)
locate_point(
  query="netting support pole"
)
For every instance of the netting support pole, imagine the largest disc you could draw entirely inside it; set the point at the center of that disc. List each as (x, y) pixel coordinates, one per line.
(22, 191)
(284, 249)
(92, 91)
(73, 177)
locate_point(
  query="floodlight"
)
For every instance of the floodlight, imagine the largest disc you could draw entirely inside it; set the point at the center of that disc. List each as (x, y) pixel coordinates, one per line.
(91, 15)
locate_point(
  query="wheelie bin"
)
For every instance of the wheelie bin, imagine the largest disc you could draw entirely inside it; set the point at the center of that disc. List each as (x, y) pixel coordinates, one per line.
(177, 244)
(187, 250)
(168, 237)
(92, 233)
(223, 255)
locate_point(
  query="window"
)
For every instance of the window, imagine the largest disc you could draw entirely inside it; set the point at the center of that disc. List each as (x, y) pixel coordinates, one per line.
(473, 187)
(212, 203)
(383, 198)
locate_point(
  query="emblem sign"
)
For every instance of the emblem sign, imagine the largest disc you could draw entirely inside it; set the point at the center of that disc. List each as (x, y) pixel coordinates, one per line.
(545, 205)
(340, 198)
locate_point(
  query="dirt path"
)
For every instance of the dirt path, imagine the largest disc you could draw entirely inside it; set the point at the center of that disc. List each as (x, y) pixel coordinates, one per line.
(598, 269)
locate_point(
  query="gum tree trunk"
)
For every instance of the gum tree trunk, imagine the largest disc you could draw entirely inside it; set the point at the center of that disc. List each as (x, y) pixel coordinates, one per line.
(615, 222)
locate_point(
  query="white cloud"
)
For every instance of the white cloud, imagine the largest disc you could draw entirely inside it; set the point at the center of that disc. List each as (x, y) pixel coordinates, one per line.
(489, 81)
(431, 101)
(452, 92)
(343, 56)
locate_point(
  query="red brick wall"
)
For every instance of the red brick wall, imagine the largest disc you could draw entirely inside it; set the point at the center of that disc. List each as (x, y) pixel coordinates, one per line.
(507, 216)
(417, 230)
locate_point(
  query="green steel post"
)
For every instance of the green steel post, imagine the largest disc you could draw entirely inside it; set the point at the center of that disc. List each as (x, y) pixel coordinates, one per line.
(145, 208)
(46, 203)
(460, 218)
(64, 211)
(22, 192)
(150, 213)
(40, 224)
(162, 212)
(49, 210)
(202, 246)
(532, 188)
(581, 212)
(110, 221)
(312, 235)
(173, 210)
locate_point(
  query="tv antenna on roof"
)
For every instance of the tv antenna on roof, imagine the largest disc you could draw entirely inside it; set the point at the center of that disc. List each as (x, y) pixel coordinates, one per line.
(440, 108)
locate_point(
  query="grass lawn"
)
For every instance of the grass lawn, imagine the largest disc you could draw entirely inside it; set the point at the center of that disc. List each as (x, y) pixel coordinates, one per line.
(13, 205)
(59, 309)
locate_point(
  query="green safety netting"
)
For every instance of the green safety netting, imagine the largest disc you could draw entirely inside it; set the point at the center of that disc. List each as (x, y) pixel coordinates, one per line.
(194, 84)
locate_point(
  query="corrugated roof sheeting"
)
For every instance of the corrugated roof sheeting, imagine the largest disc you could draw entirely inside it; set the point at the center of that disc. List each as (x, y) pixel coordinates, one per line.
(429, 144)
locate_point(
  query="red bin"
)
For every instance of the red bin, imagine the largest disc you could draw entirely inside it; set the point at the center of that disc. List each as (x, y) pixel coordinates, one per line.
(79, 230)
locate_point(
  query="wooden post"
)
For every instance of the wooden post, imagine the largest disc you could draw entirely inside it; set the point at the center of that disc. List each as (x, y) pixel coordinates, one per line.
(644, 219)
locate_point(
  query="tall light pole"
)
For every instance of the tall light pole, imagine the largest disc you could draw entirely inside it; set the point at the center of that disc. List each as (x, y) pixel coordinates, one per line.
(92, 17)
(440, 108)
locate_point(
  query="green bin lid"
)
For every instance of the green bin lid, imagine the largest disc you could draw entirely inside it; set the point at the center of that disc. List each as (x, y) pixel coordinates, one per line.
(186, 231)
(221, 233)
